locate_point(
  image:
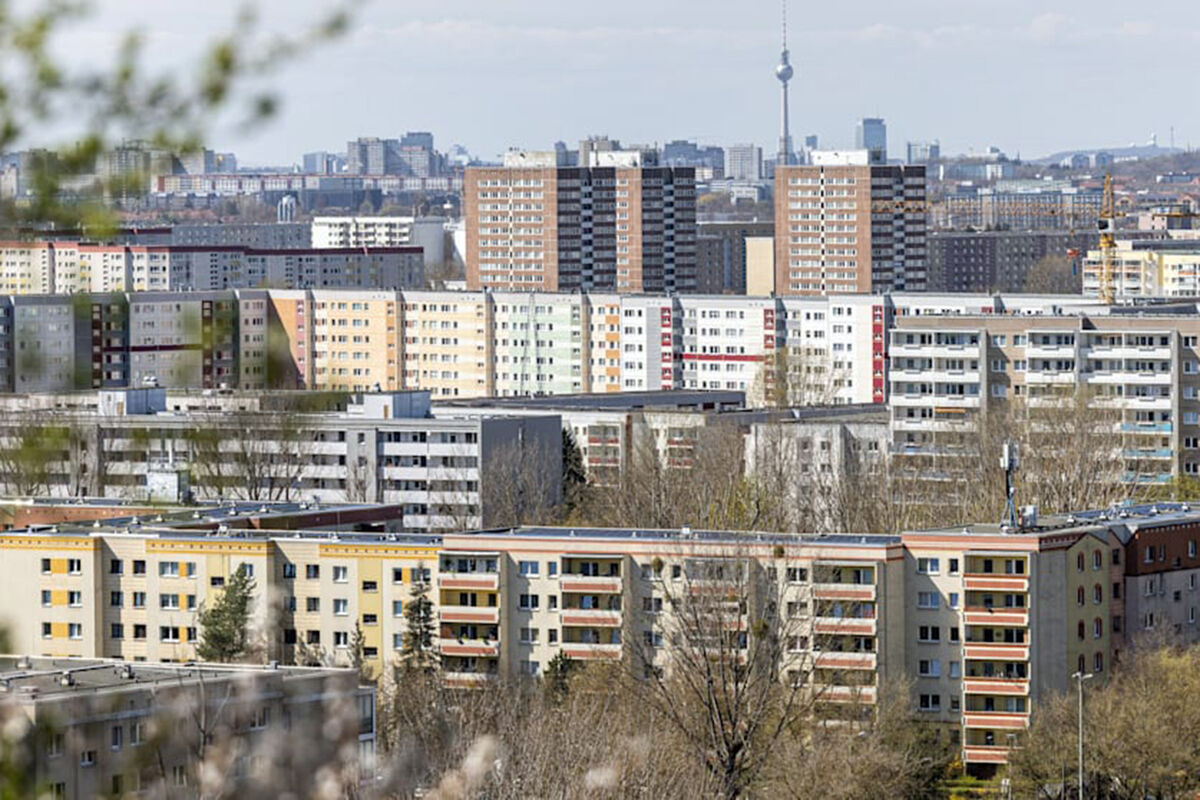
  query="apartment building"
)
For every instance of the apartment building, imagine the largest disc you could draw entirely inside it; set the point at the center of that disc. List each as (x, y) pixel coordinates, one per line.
(533, 225)
(537, 345)
(1020, 208)
(844, 226)
(1147, 269)
(985, 621)
(379, 448)
(948, 372)
(448, 344)
(70, 266)
(98, 727)
(428, 233)
(980, 261)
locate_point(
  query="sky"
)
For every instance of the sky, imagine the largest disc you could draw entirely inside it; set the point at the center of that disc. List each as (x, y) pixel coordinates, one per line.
(1029, 76)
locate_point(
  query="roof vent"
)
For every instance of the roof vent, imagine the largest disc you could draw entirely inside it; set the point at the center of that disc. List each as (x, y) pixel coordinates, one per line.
(1185, 507)
(24, 663)
(67, 679)
(685, 532)
(127, 671)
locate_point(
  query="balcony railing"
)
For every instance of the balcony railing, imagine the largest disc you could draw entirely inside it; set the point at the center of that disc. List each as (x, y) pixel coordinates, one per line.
(985, 754)
(486, 581)
(485, 615)
(843, 660)
(996, 651)
(843, 591)
(996, 685)
(486, 648)
(1000, 617)
(591, 617)
(989, 581)
(1006, 720)
(849, 626)
(592, 652)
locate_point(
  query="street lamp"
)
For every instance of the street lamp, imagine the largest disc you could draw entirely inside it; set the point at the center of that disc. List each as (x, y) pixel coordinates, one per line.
(1080, 677)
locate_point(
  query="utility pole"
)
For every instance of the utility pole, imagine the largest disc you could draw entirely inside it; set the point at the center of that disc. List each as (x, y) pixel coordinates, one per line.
(1080, 677)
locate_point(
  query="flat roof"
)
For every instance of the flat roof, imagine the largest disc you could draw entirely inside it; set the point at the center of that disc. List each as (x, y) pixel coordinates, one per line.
(603, 400)
(689, 535)
(33, 678)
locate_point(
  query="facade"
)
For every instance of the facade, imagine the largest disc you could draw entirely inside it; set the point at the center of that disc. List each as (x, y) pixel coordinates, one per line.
(985, 621)
(428, 233)
(64, 267)
(997, 260)
(947, 372)
(997, 208)
(844, 226)
(1148, 269)
(97, 726)
(377, 448)
(722, 264)
(870, 134)
(544, 227)
(743, 162)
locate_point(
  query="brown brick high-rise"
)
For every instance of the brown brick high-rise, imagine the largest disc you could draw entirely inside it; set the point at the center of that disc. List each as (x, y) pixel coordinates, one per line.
(553, 228)
(849, 228)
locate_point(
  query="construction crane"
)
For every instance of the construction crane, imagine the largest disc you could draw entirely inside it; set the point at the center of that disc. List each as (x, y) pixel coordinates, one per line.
(1106, 224)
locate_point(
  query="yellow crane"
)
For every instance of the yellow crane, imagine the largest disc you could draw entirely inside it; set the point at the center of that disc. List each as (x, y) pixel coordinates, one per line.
(1106, 224)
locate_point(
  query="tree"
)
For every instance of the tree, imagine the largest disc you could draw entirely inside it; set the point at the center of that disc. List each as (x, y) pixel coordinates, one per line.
(797, 376)
(1054, 275)
(418, 651)
(730, 681)
(574, 475)
(557, 676)
(358, 655)
(224, 627)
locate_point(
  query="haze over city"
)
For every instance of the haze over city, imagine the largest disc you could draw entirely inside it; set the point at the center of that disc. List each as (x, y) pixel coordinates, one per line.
(1028, 77)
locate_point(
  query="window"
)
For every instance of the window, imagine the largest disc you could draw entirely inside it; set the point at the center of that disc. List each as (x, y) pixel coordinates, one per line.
(75, 566)
(797, 574)
(341, 574)
(529, 635)
(930, 702)
(116, 599)
(117, 631)
(75, 599)
(1116, 556)
(1079, 596)
(1098, 662)
(930, 633)
(168, 601)
(927, 566)
(1191, 548)
(261, 718)
(953, 569)
(179, 776)
(529, 567)
(168, 569)
(552, 636)
(341, 639)
(46, 598)
(397, 608)
(551, 568)
(116, 737)
(1079, 562)
(216, 580)
(930, 600)
(370, 619)
(47, 630)
(929, 668)
(289, 571)
(115, 566)
(955, 669)
(1097, 594)
(312, 572)
(54, 747)
(953, 600)
(87, 758)
(1080, 630)
(139, 567)
(527, 602)
(136, 732)
(139, 632)
(74, 630)
(341, 606)
(246, 569)
(1097, 628)
(370, 586)
(168, 633)
(397, 641)
(45, 566)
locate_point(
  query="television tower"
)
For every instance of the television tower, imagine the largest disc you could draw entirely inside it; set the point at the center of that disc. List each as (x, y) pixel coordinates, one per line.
(784, 73)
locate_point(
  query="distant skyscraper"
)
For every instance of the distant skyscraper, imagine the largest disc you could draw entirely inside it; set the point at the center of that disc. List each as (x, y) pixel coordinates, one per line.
(923, 152)
(285, 211)
(743, 162)
(784, 73)
(871, 135)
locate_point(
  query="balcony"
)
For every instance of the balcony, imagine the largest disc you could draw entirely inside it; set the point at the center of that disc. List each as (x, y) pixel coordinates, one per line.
(1147, 452)
(591, 652)
(479, 581)
(591, 617)
(848, 626)
(999, 617)
(996, 720)
(837, 660)
(610, 584)
(995, 651)
(1145, 427)
(1018, 687)
(985, 754)
(468, 680)
(843, 591)
(481, 615)
(470, 647)
(990, 582)
(844, 694)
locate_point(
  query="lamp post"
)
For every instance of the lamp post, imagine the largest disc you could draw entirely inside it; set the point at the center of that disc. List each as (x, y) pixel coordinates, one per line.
(1080, 677)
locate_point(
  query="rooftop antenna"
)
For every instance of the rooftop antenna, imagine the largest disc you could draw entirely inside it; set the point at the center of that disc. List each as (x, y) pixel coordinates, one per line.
(1010, 460)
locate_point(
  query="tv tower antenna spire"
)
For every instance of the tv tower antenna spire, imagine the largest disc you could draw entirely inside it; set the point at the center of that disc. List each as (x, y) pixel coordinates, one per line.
(784, 72)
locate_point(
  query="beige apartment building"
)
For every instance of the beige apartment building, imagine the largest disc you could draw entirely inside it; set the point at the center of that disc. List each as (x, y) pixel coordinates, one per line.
(842, 226)
(986, 621)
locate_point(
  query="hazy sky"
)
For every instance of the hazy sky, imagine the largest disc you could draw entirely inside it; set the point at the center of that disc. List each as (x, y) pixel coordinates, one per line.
(1031, 76)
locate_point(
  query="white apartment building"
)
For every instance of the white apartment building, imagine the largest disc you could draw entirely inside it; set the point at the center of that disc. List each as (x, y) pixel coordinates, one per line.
(427, 233)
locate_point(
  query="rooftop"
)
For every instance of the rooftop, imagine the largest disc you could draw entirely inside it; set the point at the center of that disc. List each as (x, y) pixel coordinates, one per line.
(41, 678)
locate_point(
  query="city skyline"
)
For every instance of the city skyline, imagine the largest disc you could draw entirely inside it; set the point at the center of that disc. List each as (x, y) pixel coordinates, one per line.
(471, 75)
